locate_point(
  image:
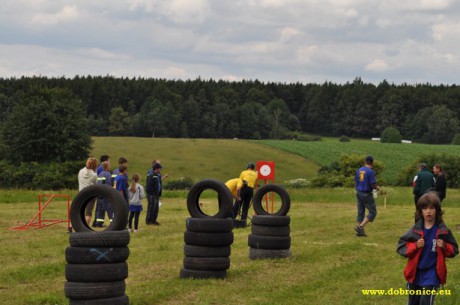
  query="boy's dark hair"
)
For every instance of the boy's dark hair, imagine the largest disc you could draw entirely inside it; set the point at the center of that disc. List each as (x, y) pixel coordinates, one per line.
(122, 168)
(122, 160)
(104, 158)
(429, 199)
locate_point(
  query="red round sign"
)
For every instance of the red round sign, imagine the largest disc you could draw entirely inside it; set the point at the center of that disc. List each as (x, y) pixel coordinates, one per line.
(266, 170)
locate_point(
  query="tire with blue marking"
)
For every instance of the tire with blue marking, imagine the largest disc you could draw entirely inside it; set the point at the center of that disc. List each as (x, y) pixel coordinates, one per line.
(96, 255)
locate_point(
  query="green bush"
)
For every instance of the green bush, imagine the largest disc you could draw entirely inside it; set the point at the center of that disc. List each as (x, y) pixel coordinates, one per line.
(456, 139)
(344, 139)
(342, 173)
(47, 176)
(449, 163)
(390, 135)
(183, 183)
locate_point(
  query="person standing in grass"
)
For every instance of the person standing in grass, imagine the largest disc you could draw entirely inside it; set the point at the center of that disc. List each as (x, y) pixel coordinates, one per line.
(424, 182)
(426, 245)
(136, 194)
(153, 187)
(365, 183)
(441, 184)
(87, 176)
(121, 182)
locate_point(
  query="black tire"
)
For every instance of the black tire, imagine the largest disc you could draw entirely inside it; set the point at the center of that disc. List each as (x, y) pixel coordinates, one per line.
(208, 239)
(271, 230)
(83, 255)
(271, 220)
(202, 274)
(268, 253)
(259, 195)
(202, 251)
(206, 263)
(88, 291)
(240, 223)
(123, 300)
(214, 225)
(269, 242)
(224, 195)
(90, 273)
(100, 239)
(81, 200)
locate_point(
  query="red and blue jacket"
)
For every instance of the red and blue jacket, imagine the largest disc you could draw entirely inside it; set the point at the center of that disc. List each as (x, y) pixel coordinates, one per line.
(407, 247)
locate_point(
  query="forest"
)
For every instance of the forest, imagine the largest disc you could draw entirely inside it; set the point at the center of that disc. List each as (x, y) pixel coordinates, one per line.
(147, 107)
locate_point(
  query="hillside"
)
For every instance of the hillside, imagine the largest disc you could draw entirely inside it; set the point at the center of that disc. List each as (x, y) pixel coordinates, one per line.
(201, 158)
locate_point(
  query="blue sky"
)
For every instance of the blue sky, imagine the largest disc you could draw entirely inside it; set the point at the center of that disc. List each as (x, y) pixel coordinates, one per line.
(308, 41)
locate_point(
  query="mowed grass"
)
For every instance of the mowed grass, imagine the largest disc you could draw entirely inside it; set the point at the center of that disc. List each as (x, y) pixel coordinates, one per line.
(394, 156)
(201, 158)
(329, 265)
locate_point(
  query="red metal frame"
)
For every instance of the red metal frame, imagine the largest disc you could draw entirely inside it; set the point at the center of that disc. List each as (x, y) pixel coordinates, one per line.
(37, 222)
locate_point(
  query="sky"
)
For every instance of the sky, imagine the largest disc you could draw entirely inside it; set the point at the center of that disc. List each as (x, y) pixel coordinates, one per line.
(287, 41)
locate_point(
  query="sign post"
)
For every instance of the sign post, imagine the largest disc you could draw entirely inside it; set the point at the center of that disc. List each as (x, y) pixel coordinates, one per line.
(266, 172)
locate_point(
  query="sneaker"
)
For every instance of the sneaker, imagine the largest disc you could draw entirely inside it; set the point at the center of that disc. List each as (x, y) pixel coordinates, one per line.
(130, 230)
(135, 231)
(156, 223)
(360, 231)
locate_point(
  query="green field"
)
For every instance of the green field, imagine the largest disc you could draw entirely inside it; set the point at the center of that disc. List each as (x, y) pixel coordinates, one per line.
(329, 265)
(201, 158)
(393, 156)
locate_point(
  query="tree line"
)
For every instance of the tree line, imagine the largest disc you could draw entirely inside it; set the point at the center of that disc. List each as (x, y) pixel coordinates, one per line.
(252, 109)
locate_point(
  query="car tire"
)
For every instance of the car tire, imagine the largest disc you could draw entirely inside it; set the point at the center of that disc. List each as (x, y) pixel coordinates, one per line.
(260, 193)
(94, 255)
(224, 195)
(213, 225)
(102, 290)
(81, 200)
(123, 300)
(208, 239)
(100, 239)
(88, 273)
(271, 230)
(269, 242)
(271, 220)
(202, 274)
(255, 253)
(203, 251)
(206, 263)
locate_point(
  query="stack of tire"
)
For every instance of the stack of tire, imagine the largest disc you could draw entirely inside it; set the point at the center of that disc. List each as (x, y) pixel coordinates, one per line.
(96, 266)
(270, 232)
(208, 237)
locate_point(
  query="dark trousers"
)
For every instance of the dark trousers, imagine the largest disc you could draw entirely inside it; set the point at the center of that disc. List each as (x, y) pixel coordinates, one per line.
(421, 299)
(246, 197)
(152, 209)
(134, 215)
(103, 206)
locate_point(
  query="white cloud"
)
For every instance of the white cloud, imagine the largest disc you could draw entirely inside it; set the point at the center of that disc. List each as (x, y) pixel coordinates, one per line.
(377, 65)
(66, 14)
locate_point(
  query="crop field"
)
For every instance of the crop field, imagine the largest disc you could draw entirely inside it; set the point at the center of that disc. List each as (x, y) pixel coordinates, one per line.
(393, 156)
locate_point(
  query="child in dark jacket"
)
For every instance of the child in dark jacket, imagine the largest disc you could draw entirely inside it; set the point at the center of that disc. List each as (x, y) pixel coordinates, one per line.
(426, 245)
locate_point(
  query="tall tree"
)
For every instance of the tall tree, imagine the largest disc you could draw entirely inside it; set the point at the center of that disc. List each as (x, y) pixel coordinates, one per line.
(46, 125)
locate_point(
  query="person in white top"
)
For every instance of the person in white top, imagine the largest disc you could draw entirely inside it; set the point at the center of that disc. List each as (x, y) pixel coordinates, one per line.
(136, 194)
(86, 177)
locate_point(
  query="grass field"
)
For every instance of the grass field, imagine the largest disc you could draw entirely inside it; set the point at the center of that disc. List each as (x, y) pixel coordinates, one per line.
(201, 158)
(329, 265)
(393, 156)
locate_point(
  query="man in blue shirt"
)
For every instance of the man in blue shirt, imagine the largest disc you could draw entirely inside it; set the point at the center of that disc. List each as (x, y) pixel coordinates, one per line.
(365, 183)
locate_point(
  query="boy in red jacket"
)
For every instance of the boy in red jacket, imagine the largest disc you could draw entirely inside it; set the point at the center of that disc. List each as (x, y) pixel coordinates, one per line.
(426, 245)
